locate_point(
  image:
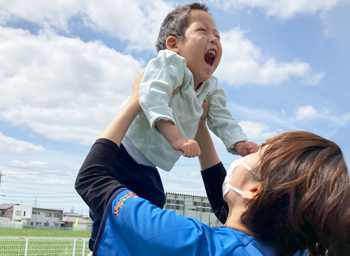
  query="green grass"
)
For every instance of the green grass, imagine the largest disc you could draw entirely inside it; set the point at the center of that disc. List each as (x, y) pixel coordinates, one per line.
(43, 233)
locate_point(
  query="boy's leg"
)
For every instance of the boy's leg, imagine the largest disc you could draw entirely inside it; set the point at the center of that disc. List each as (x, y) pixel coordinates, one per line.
(144, 180)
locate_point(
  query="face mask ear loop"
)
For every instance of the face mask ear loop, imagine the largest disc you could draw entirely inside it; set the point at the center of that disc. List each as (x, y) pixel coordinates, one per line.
(249, 168)
(246, 166)
(235, 189)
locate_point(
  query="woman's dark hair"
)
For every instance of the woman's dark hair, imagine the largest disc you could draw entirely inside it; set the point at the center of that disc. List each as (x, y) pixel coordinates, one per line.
(176, 23)
(304, 201)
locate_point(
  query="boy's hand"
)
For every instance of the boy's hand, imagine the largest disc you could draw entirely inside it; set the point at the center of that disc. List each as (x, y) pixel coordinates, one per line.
(188, 147)
(245, 148)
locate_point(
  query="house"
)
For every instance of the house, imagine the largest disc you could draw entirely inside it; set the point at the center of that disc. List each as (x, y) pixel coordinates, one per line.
(42, 217)
(192, 206)
(76, 221)
(6, 210)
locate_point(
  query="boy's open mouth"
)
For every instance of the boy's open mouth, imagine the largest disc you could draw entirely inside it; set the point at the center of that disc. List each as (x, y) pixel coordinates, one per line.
(210, 57)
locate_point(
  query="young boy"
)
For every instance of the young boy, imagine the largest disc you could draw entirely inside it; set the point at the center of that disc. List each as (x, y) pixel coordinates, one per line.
(172, 92)
(173, 89)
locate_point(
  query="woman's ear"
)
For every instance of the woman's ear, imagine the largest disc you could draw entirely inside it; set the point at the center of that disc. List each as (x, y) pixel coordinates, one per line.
(171, 44)
(251, 192)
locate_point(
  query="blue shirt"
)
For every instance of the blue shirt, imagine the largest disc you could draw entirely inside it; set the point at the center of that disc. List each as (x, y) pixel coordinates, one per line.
(133, 226)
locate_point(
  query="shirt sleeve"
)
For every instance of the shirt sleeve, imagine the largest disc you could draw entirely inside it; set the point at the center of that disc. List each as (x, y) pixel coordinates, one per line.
(221, 122)
(162, 76)
(213, 179)
(94, 182)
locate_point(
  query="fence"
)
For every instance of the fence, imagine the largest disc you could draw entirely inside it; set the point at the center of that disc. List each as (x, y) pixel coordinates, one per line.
(8, 224)
(43, 246)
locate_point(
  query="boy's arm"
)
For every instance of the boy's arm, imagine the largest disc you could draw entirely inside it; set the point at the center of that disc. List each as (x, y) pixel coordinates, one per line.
(163, 77)
(222, 124)
(188, 147)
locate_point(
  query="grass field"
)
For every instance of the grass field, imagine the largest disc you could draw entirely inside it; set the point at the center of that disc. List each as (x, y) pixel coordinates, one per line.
(43, 233)
(43, 242)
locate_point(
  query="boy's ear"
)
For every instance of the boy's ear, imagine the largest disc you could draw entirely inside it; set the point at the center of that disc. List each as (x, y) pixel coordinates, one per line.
(171, 44)
(251, 192)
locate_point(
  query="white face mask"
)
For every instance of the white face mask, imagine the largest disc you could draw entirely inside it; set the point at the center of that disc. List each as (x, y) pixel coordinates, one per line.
(226, 185)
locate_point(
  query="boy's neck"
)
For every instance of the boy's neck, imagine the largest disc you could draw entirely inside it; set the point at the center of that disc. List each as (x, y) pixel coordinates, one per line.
(196, 85)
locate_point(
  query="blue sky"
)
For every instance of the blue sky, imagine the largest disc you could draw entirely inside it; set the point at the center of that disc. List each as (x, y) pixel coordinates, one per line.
(66, 66)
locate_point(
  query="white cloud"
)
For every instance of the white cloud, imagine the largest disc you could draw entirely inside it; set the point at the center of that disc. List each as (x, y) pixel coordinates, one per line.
(242, 62)
(306, 113)
(56, 13)
(314, 78)
(134, 21)
(281, 9)
(61, 87)
(255, 131)
(12, 145)
(30, 164)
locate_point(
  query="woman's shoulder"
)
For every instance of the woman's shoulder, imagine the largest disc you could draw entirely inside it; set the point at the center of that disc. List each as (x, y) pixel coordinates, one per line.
(240, 243)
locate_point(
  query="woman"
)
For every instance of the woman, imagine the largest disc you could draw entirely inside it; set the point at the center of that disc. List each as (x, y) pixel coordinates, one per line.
(301, 200)
(271, 193)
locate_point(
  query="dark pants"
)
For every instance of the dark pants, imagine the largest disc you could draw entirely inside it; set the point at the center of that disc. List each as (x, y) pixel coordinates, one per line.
(143, 180)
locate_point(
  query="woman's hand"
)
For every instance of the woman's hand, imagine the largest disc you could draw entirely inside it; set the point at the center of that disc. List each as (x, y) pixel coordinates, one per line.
(205, 107)
(134, 97)
(117, 129)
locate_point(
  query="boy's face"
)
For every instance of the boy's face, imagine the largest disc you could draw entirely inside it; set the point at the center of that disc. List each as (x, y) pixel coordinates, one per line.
(201, 46)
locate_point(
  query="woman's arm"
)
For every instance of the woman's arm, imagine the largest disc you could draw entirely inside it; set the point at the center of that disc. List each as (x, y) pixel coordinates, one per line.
(208, 156)
(213, 172)
(95, 182)
(116, 130)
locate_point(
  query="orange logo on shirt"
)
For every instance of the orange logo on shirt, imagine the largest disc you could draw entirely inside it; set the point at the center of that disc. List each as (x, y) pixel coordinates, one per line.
(121, 202)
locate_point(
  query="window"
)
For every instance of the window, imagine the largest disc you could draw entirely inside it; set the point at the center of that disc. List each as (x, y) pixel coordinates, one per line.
(56, 215)
(24, 213)
(18, 213)
(46, 224)
(179, 207)
(48, 214)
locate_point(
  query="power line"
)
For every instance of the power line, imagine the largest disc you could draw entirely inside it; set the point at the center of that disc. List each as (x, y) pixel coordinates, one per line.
(42, 196)
(65, 184)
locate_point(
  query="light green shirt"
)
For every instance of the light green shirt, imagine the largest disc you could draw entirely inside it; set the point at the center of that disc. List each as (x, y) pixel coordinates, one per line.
(167, 93)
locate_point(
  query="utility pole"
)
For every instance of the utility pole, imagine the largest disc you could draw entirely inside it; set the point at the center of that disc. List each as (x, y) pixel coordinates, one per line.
(1, 176)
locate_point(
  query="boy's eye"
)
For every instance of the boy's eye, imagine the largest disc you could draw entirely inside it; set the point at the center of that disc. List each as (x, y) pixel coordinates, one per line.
(218, 37)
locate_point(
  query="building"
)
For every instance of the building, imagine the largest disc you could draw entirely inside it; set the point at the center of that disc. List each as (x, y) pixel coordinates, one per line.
(41, 217)
(192, 206)
(6, 210)
(76, 221)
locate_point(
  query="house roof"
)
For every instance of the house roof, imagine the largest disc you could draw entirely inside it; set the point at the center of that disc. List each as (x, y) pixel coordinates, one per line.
(6, 206)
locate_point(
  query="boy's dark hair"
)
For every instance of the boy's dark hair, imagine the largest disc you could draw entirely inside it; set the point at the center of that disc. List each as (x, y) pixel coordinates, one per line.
(176, 23)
